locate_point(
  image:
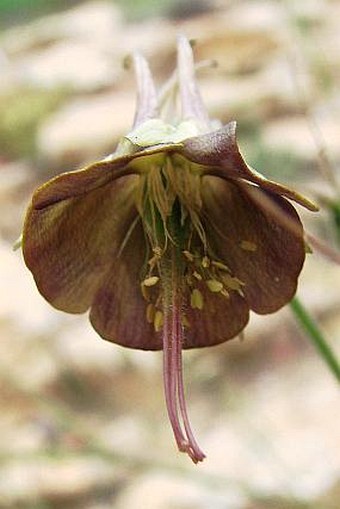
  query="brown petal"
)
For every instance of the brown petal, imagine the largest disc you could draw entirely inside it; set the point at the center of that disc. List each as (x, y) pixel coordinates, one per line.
(220, 319)
(118, 312)
(262, 245)
(70, 245)
(79, 182)
(219, 151)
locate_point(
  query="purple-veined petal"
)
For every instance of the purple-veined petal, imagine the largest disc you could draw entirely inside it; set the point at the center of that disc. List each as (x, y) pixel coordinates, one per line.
(220, 319)
(118, 311)
(219, 153)
(70, 245)
(79, 182)
(263, 246)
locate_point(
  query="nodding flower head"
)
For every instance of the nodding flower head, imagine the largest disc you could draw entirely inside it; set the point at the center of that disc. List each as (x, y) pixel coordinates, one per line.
(171, 239)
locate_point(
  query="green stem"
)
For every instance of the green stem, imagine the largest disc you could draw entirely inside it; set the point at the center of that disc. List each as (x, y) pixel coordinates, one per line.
(316, 336)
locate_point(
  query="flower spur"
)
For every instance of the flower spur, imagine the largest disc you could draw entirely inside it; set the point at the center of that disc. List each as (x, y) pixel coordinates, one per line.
(170, 240)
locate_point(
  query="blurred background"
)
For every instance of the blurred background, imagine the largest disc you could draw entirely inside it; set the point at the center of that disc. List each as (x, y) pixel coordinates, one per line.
(83, 422)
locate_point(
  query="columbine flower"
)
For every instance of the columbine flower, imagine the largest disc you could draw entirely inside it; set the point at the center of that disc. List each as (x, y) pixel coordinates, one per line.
(170, 240)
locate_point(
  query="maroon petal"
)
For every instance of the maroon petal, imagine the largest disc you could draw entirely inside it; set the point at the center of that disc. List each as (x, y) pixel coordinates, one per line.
(79, 182)
(219, 152)
(220, 319)
(70, 245)
(118, 311)
(262, 245)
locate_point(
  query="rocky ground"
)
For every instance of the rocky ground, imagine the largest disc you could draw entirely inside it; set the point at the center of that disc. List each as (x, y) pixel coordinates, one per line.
(82, 422)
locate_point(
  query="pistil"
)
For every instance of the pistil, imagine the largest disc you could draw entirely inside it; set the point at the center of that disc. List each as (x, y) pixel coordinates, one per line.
(173, 339)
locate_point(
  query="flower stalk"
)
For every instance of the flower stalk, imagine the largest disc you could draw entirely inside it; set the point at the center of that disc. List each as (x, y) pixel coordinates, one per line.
(316, 336)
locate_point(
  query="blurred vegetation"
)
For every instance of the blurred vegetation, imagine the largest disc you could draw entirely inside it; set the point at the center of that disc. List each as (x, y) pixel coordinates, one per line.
(16, 11)
(139, 9)
(22, 112)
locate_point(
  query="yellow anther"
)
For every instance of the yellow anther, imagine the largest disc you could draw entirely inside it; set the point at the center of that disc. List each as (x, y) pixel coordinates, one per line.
(185, 321)
(205, 262)
(247, 245)
(158, 320)
(233, 283)
(220, 266)
(150, 313)
(196, 299)
(214, 285)
(189, 256)
(225, 293)
(144, 291)
(197, 275)
(151, 281)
